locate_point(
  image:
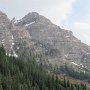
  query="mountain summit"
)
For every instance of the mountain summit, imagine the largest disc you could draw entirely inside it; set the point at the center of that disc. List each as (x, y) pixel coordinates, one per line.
(33, 17)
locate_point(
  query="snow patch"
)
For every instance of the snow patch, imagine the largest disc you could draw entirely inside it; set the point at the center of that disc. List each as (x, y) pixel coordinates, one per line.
(13, 43)
(67, 36)
(75, 63)
(17, 21)
(15, 55)
(40, 45)
(82, 65)
(6, 54)
(2, 41)
(66, 55)
(11, 47)
(9, 54)
(30, 23)
(12, 37)
(18, 48)
(88, 53)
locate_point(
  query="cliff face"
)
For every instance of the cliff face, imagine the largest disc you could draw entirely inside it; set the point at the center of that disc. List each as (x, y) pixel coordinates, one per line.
(11, 36)
(56, 45)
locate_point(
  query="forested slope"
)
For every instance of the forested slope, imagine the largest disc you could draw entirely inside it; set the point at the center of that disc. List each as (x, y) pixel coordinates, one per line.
(24, 73)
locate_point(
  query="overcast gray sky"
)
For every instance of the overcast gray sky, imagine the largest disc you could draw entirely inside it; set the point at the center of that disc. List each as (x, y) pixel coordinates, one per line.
(70, 14)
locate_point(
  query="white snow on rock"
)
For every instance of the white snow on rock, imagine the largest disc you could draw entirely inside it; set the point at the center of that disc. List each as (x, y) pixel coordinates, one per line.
(17, 21)
(40, 45)
(6, 54)
(12, 37)
(88, 53)
(11, 47)
(74, 63)
(82, 65)
(2, 41)
(13, 43)
(18, 48)
(66, 55)
(14, 54)
(9, 54)
(29, 23)
(67, 36)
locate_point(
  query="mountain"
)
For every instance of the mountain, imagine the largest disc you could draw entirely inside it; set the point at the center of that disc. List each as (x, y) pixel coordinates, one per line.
(37, 35)
(60, 46)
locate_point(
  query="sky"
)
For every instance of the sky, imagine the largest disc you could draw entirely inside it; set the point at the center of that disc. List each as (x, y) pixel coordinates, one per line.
(72, 15)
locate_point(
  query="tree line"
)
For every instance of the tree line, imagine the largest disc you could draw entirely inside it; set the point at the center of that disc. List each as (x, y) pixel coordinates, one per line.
(23, 73)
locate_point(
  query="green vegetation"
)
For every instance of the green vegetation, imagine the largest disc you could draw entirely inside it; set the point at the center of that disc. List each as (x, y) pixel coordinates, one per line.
(78, 73)
(24, 73)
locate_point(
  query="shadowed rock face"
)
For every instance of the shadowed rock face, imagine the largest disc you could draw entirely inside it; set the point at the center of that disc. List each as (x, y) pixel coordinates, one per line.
(57, 45)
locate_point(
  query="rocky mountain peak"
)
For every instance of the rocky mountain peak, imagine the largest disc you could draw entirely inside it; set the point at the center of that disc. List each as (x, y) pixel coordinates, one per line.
(32, 14)
(33, 17)
(2, 14)
(3, 18)
(54, 39)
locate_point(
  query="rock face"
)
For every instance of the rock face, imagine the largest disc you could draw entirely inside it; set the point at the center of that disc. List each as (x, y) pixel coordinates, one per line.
(56, 45)
(11, 36)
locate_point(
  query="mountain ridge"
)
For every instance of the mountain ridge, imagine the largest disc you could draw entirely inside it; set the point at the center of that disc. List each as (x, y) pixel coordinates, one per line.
(56, 37)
